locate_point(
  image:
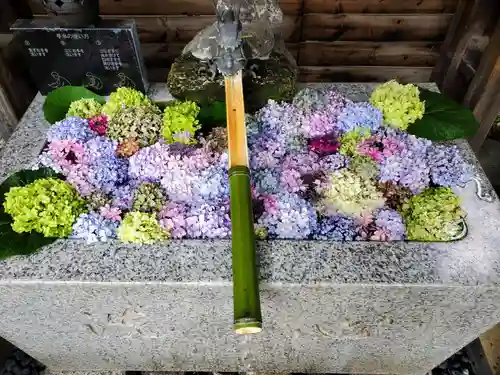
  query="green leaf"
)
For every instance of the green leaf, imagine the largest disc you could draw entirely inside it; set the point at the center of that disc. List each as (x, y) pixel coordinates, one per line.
(212, 115)
(13, 243)
(444, 119)
(58, 101)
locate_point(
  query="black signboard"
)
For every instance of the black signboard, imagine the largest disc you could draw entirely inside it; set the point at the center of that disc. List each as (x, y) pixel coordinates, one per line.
(100, 58)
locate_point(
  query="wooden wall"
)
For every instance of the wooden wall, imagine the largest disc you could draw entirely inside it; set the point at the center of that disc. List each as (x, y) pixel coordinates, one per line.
(332, 40)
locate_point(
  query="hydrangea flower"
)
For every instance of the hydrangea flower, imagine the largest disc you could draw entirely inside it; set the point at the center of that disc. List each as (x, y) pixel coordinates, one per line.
(84, 108)
(140, 123)
(325, 145)
(336, 228)
(179, 122)
(318, 124)
(66, 153)
(447, 166)
(96, 200)
(349, 193)
(408, 168)
(124, 97)
(282, 121)
(94, 228)
(400, 104)
(209, 220)
(47, 205)
(142, 228)
(359, 115)
(288, 216)
(149, 197)
(266, 181)
(364, 167)
(72, 128)
(79, 178)
(110, 213)
(334, 162)
(389, 226)
(350, 140)
(172, 217)
(122, 196)
(99, 124)
(433, 215)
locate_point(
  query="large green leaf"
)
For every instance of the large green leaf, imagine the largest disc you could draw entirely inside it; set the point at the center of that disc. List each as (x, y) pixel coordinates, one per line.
(444, 119)
(58, 101)
(13, 243)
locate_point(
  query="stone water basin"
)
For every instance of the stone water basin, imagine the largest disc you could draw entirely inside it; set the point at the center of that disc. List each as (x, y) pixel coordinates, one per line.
(351, 307)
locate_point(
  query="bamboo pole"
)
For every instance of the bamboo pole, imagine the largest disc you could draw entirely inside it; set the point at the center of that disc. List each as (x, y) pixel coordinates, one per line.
(247, 314)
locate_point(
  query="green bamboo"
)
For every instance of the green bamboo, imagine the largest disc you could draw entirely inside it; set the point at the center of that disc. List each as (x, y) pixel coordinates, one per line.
(247, 314)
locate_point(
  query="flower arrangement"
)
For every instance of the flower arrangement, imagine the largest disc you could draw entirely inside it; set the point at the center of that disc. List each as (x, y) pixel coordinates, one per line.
(323, 168)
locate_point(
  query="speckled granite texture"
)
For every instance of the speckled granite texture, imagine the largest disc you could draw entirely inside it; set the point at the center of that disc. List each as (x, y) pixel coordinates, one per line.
(398, 308)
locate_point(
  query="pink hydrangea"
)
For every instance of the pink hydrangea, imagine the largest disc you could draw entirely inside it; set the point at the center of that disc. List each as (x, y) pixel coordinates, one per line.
(111, 213)
(66, 153)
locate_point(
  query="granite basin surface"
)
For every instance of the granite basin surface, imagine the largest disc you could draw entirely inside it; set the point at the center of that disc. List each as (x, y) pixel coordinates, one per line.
(358, 307)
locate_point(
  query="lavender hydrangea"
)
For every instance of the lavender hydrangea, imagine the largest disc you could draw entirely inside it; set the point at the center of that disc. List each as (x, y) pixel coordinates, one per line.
(72, 128)
(389, 225)
(123, 195)
(173, 218)
(209, 220)
(94, 228)
(359, 115)
(447, 166)
(282, 121)
(266, 181)
(288, 216)
(336, 228)
(408, 168)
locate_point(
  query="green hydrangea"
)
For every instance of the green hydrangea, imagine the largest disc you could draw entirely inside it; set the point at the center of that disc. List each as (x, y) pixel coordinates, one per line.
(400, 104)
(149, 197)
(141, 123)
(364, 166)
(350, 194)
(84, 108)
(433, 215)
(350, 140)
(179, 122)
(261, 233)
(140, 227)
(48, 205)
(124, 97)
(96, 200)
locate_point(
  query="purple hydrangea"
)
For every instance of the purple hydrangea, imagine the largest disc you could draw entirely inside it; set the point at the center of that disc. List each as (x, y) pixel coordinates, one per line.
(266, 152)
(447, 166)
(336, 228)
(98, 147)
(408, 168)
(173, 218)
(288, 216)
(94, 228)
(72, 128)
(359, 115)
(122, 196)
(318, 124)
(209, 220)
(282, 121)
(332, 163)
(389, 226)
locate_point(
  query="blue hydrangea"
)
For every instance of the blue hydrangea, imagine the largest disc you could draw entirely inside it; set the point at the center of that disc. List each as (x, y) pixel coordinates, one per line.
(122, 196)
(359, 115)
(108, 172)
(72, 128)
(334, 162)
(100, 147)
(336, 228)
(447, 166)
(288, 217)
(266, 181)
(94, 228)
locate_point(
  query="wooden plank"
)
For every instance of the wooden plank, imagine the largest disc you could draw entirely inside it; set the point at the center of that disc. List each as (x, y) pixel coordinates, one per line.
(452, 37)
(363, 74)
(369, 53)
(154, 29)
(480, 16)
(163, 7)
(380, 6)
(375, 27)
(483, 72)
(164, 54)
